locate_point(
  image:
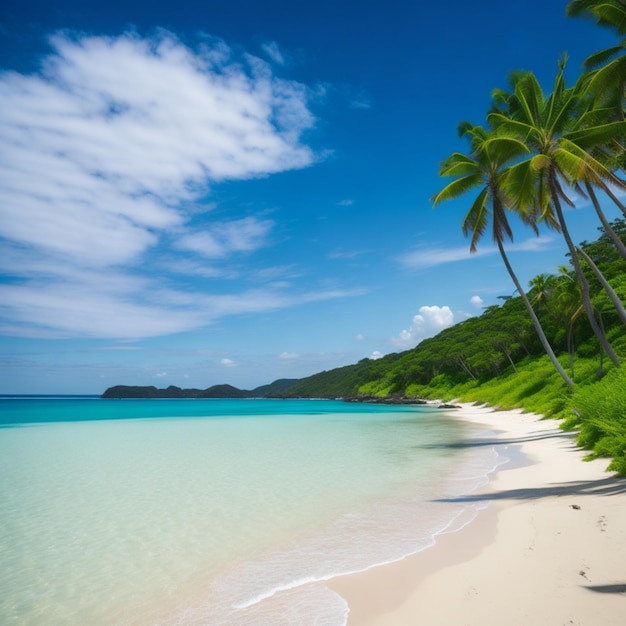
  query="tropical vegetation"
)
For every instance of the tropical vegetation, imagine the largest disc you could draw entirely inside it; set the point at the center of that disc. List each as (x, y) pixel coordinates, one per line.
(535, 155)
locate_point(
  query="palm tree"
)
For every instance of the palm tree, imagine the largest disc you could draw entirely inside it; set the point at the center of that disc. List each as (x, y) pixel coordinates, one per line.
(568, 304)
(542, 287)
(608, 66)
(559, 132)
(486, 168)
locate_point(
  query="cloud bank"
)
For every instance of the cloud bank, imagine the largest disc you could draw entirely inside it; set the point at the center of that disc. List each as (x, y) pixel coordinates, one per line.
(107, 153)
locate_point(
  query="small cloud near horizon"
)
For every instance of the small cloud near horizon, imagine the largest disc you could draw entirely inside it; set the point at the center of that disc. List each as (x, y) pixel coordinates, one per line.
(228, 363)
(477, 301)
(428, 322)
(289, 355)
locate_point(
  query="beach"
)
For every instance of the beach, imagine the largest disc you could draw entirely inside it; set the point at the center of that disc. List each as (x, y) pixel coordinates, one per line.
(550, 548)
(255, 512)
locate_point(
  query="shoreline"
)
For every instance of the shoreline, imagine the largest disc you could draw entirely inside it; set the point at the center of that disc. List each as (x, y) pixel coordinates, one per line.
(549, 549)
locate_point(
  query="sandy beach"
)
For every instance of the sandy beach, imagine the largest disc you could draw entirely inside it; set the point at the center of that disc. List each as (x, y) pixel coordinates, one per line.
(550, 549)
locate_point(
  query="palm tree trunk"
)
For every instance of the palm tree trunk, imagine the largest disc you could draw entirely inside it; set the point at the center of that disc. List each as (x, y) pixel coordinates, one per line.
(535, 320)
(570, 347)
(619, 244)
(507, 354)
(584, 285)
(617, 303)
(615, 199)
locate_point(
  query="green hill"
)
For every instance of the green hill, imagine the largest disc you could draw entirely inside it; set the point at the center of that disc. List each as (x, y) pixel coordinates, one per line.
(497, 358)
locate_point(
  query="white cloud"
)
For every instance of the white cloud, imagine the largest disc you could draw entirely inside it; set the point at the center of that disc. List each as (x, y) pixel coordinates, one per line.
(536, 244)
(105, 156)
(360, 337)
(430, 257)
(346, 202)
(273, 52)
(120, 307)
(116, 133)
(428, 322)
(245, 235)
(376, 355)
(476, 301)
(228, 363)
(288, 355)
(161, 375)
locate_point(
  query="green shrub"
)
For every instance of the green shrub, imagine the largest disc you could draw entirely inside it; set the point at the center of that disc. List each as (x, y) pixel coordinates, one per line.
(601, 410)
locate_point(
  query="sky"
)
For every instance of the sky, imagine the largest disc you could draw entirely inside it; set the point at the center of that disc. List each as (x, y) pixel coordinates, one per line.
(231, 191)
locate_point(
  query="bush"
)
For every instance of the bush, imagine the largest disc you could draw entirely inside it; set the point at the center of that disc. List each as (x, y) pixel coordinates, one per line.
(601, 409)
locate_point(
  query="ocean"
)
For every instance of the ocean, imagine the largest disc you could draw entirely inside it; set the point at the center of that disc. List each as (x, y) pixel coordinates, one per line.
(232, 512)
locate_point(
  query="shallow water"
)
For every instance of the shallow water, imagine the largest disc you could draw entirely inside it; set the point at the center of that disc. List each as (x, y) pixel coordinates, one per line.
(216, 511)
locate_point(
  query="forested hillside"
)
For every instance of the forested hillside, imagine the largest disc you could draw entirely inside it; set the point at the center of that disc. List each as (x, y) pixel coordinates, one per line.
(498, 358)
(498, 341)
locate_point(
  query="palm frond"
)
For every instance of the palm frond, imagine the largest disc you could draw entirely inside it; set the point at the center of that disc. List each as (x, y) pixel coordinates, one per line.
(540, 162)
(519, 182)
(609, 13)
(602, 134)
(528, 93)
(458, 164)
(457, 188)
(504, 126)
(477, 219)
(503, 149)
(601, 57)
(501, 228)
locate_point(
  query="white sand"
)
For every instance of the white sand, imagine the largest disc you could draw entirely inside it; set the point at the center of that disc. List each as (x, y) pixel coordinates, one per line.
(549, 550)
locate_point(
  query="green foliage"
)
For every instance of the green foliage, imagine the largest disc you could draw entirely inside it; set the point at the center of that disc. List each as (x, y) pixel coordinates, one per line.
(601, 416)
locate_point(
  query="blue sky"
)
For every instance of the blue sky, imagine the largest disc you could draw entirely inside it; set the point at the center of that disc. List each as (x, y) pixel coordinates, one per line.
(205, 192)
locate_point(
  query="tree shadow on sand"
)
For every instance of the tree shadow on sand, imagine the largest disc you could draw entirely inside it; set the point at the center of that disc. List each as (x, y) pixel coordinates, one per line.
(610, 486)
(476, 443)
(618, 588)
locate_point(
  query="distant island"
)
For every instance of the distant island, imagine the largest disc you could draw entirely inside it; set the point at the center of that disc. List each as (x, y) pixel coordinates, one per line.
(277, 389)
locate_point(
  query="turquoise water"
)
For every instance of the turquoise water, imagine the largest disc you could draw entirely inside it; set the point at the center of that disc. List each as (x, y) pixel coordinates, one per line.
(216, 511)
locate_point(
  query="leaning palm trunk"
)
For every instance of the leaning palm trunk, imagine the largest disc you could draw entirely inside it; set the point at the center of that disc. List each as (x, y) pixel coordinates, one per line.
(619, 244)
(616, 200)
(582, 281)
(535, 320)
(617, 303)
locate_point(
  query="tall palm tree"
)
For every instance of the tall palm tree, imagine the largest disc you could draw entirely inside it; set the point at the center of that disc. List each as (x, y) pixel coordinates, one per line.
(485, 168)
(560, 133)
